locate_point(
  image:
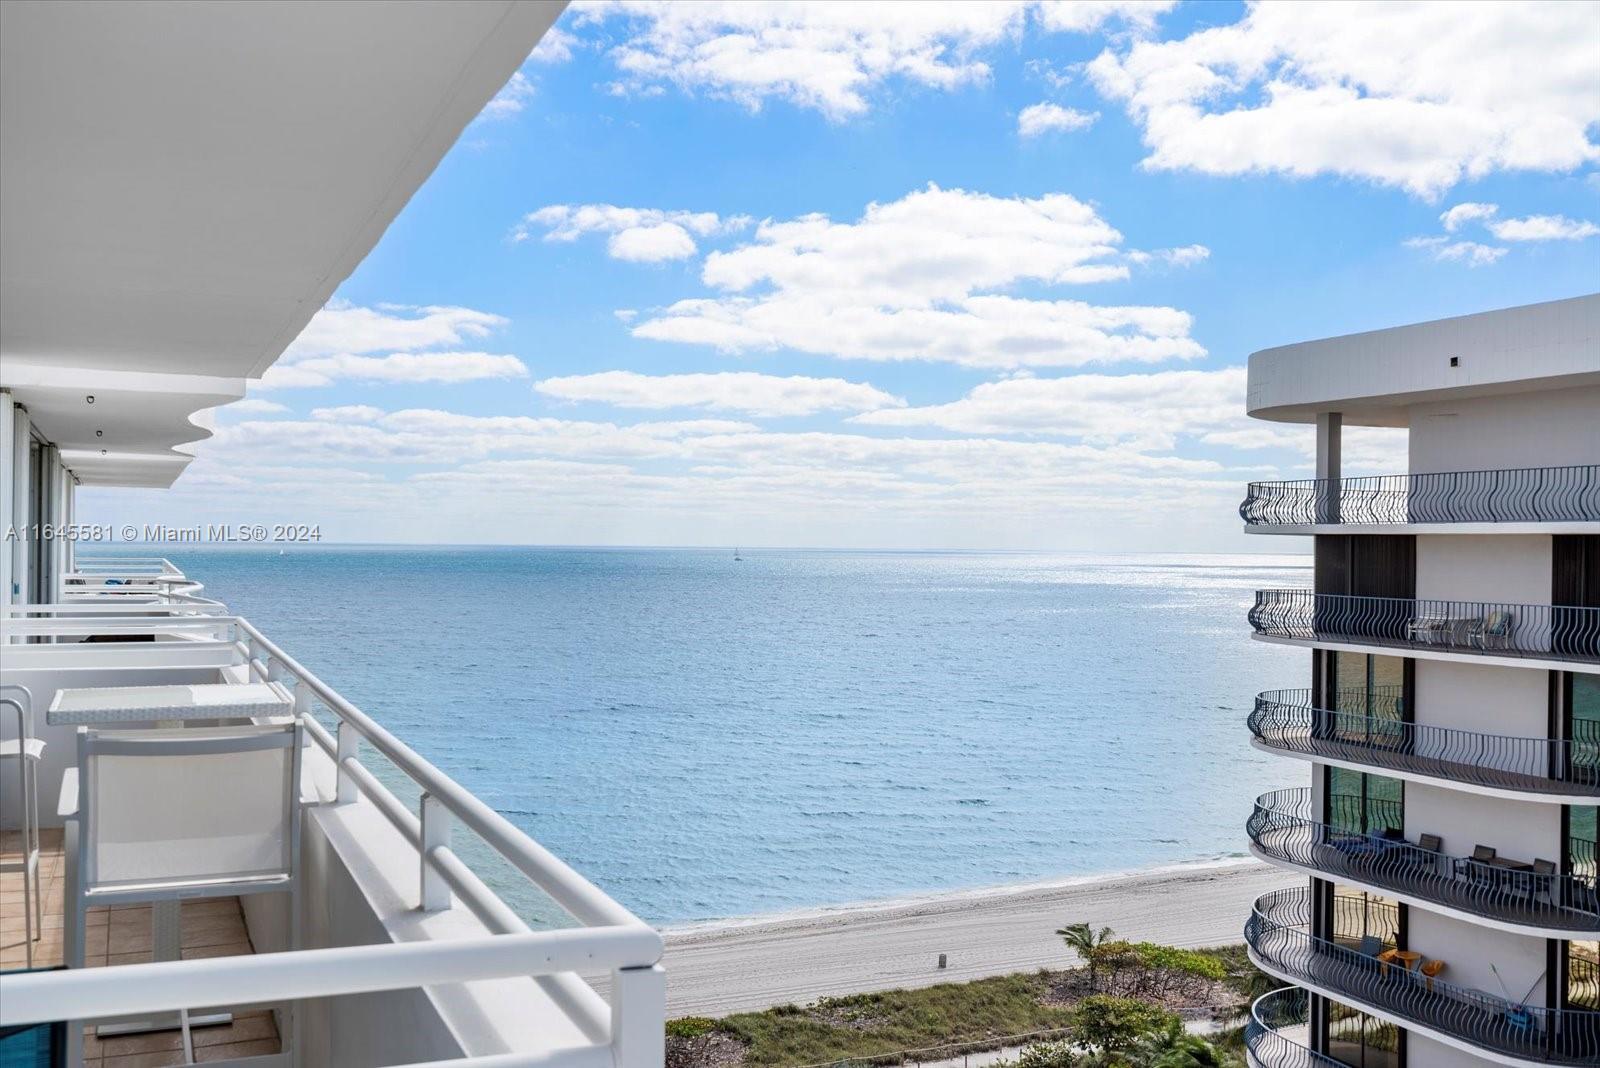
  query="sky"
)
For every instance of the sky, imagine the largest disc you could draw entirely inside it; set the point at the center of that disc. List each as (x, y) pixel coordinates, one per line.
(912, 275)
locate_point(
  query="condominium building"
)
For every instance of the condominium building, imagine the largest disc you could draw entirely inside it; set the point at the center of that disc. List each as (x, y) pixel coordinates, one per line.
(211, 854)
(1449, 719)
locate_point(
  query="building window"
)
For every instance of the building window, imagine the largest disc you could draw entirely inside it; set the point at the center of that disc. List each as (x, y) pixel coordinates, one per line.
(1364, 803)
(1583, 975)
(1371, 696)
(1361, 1041)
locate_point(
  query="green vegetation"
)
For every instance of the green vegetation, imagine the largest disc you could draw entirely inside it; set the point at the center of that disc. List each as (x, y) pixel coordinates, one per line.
(1115, 1020)
(866, 1024)
(1115, 1025)
(1085, 941)
(690, 1027)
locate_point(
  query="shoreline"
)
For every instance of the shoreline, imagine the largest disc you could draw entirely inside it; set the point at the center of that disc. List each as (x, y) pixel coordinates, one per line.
(938, 899)
(755, 963)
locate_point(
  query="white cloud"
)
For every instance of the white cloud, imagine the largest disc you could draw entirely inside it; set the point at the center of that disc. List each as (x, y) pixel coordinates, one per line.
(1418, 96)
(1145, 410)
(1462, 214)
(348, 413)
(829, 57)
(736, 391)
(922, 278)
(256, 406)
(341, 327)
(1187, 256)
(510, 100)
(411, 367)
(556, 46)
(1543, 228)
(1472, 253)
(1036, 119)
(641, 235)
(390, 343)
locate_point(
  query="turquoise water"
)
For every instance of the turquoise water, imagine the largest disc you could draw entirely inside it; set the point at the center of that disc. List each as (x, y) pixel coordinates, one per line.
(707, 738)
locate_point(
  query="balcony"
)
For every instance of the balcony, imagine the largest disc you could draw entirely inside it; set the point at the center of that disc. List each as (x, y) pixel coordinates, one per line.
(1537, 634)
(1536, 498)
(1280, 942)
(1559, 771)
(1278, 1033)
(1284, 830)
(399, 952)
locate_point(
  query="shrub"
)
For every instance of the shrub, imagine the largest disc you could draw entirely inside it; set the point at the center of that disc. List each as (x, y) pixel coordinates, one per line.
(1145, 969)
(690, 1027)
(1112, 1024)
(1048, 1055)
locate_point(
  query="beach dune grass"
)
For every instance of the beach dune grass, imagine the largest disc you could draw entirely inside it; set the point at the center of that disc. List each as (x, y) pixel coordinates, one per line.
(864, 1025)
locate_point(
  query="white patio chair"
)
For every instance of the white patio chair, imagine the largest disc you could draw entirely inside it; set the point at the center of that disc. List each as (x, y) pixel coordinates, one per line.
(167, 815)
(27, 751)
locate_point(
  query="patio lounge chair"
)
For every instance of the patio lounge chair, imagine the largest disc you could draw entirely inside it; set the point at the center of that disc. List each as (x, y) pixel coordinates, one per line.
(1428, 630)
(1493, 631)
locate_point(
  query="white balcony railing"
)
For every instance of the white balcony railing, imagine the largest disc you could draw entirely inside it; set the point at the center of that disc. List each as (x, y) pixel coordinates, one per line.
(608, 938)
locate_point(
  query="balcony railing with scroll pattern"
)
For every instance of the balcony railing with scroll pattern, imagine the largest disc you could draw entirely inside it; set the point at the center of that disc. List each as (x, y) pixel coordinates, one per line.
(1279, 939)
(1287, 720)
(1284, 828)
(1265, 1033)
(1515, 495)
(1479, 628)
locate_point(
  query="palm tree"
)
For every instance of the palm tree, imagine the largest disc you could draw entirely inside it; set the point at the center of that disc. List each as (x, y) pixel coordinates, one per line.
(1174, 1047)
(1084, 940)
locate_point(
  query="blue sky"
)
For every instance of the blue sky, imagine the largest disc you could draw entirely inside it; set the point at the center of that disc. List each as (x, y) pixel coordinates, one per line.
(949, 276)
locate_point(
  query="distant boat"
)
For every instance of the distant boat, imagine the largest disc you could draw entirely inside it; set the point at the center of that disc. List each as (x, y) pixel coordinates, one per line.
(736, 557)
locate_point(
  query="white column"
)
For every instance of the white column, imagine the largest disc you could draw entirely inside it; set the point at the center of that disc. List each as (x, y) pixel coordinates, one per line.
(8, 514)
(21, 512)
(1330, 427)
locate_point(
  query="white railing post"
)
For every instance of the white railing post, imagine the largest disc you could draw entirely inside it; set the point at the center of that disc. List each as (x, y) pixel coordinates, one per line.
(435, 833)
(349, 749)
(639, 1017)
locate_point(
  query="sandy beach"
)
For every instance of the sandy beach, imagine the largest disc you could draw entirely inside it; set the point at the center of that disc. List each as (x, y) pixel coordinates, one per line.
(715, 969)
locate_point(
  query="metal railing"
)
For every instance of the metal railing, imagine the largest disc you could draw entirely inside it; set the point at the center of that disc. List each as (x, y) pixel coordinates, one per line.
(1285, 829)
(1514, 495)
(1484, 628)
(611, 938)
(1264, 1039)
(1280, 942)
(1287, 720)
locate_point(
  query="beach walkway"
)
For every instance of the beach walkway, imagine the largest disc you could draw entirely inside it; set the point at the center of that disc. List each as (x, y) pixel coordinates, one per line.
(717, 969)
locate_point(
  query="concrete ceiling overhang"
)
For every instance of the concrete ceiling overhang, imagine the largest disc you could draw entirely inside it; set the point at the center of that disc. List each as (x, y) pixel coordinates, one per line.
(1375, 378)
(117, 421)
(183, 184)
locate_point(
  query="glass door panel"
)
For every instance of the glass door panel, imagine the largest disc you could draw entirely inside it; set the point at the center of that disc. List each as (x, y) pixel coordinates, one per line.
(1361, 1041)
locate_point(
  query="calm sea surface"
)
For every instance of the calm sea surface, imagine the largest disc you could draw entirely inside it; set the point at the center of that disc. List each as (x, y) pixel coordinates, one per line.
(708, 738)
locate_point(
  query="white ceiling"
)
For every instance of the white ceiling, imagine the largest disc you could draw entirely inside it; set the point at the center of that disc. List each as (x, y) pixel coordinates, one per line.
(183, 184)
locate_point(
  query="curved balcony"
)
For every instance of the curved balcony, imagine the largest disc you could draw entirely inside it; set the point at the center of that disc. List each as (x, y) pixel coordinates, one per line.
(1284, 830)
(1561, 771)
(1280, 942)
(1520, 495)
(1278, 1033)
(1429, 627)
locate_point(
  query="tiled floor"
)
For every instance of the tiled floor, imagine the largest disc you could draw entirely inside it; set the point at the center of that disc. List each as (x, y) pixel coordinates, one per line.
(121, 935)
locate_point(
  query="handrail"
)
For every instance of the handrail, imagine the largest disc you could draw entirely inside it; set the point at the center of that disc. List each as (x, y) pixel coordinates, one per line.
(1284, 828)
(633, 1027)
(1280, 942)
(1288, 720)
(577, 895)
(1480, 628)
(130, 989)
(1515, 495)
(1265, 1041)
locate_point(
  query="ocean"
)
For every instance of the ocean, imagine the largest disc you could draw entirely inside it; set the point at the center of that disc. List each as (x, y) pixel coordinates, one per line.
(707, 737)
